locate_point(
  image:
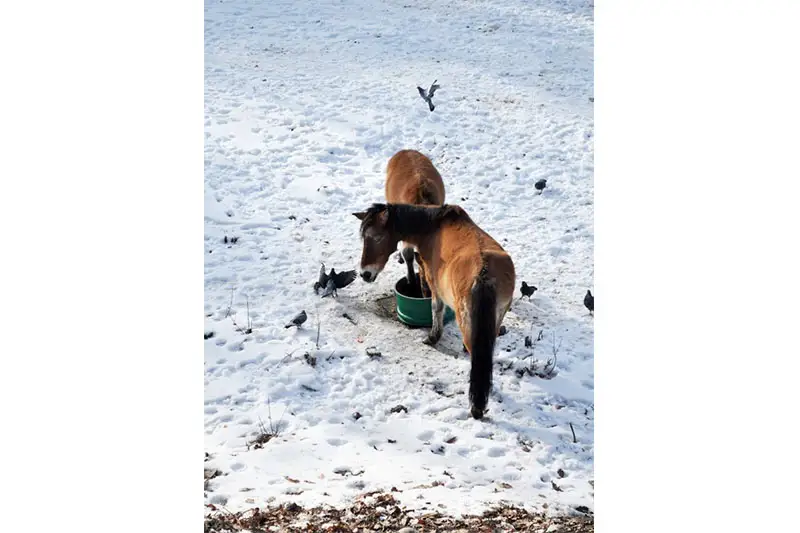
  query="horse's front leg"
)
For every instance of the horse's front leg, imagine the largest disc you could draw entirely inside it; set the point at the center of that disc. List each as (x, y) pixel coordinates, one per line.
(408, 255)
(437, 310)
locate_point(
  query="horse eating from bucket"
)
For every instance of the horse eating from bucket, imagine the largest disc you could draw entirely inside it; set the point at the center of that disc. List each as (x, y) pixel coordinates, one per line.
(465, 268)
(411, 178)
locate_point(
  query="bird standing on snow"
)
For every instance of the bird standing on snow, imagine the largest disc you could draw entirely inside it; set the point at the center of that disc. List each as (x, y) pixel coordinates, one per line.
(428, 95)
(323, 279)
(298, 320)
(588, 301)
(527, 290)
(540, 185)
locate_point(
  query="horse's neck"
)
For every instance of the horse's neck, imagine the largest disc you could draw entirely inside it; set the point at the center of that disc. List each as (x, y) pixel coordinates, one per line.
(415, 226)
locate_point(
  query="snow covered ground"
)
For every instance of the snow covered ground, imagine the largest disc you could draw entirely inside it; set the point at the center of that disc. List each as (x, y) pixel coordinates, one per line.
(304, 104)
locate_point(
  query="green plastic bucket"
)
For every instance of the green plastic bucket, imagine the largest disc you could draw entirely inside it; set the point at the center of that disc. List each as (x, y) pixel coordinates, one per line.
(412, 309)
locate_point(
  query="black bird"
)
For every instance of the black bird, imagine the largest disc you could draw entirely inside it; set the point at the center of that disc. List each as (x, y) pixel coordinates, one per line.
(323, 279)
(333, 281)
(588, 301)
(330, 288)
(428, 95)
(298, 320)
(527, 290)
(540, 185)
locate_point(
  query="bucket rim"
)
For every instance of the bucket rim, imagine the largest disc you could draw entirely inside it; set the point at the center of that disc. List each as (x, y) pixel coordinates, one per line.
(401, 295)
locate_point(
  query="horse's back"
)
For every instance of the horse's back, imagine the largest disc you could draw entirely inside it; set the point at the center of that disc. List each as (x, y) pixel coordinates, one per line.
(467, 249)
(411, 178)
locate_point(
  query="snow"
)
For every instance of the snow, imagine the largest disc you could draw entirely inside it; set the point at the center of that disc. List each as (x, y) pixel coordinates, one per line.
(304, 104)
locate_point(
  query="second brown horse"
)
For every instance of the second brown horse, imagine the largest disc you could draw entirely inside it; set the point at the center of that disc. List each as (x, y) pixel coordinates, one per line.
(411, 178)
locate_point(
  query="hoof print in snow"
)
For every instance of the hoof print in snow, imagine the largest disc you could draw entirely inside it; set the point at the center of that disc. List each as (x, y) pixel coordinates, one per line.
(391, 441)
(207, 335)
(310, 359)
(451, 440)
(373, 353)
(398, 408)
(438, 450)
(560, 473)
(556, 487)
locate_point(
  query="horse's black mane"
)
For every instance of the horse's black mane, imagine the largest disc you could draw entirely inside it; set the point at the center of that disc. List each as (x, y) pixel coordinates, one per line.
(407, 219)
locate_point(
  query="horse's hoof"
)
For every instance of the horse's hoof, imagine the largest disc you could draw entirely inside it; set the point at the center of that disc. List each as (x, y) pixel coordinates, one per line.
(477, 414)
(430, 341)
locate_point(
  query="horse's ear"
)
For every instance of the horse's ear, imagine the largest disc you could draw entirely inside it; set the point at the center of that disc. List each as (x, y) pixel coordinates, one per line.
(360, 216)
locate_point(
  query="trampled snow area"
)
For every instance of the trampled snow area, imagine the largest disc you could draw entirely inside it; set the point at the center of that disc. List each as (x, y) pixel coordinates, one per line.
(305, 102)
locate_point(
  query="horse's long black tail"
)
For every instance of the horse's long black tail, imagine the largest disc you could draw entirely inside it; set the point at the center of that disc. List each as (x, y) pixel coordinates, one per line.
(483, 323)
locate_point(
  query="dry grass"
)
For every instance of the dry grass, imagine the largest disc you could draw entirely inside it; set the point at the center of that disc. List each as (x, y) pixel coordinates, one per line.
(382, 512)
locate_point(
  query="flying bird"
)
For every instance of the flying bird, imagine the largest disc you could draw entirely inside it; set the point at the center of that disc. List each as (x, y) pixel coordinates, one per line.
(588, 301)
(540, 185)
(297, 320)
(527, 290)
(428, 95)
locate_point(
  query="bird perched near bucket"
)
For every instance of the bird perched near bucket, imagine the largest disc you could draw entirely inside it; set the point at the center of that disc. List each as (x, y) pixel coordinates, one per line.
(540, 185)
(428, 95)
(297, 320)
(588, 301)
(527, 290)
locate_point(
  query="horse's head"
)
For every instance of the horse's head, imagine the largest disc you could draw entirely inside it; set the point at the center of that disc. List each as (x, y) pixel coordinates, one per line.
(380, 241)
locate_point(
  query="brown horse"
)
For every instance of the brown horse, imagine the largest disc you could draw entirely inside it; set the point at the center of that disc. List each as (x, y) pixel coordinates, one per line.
(411, 178)
(465, 268)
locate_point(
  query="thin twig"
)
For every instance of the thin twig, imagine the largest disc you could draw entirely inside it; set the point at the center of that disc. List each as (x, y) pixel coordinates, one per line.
(249, 324)
(575, 440)
(319, 325)
(230, 305)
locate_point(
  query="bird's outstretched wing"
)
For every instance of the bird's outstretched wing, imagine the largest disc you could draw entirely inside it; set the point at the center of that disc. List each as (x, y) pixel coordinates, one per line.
(323, 279)
(343, 279)
(432, 89)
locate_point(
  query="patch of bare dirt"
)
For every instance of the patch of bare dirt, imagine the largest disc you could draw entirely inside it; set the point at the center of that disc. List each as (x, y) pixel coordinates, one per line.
(382, 512)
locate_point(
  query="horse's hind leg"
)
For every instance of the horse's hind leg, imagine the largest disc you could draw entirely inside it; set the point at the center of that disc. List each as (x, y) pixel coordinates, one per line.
(408, 256)
(423, 282)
